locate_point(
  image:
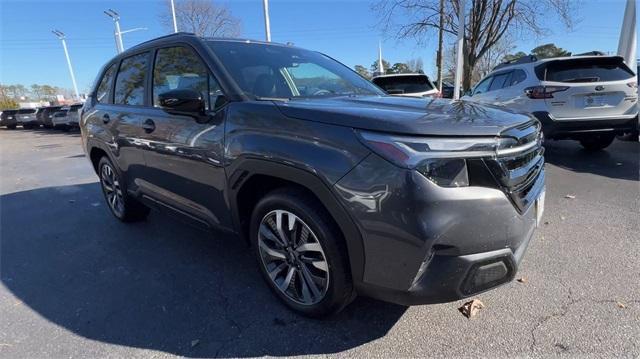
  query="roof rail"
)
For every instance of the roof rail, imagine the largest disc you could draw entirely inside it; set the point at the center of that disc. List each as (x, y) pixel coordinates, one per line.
(591, 53)
(179, 33)
(521, 60)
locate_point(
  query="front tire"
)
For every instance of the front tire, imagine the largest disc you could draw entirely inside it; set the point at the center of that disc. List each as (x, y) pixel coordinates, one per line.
(122, 205)
(301, 253)
(597, 142)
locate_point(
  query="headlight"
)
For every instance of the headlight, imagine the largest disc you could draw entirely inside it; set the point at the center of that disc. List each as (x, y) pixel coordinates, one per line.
(440, 159)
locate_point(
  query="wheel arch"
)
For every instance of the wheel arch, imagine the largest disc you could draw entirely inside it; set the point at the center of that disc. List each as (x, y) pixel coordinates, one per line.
(253, 178)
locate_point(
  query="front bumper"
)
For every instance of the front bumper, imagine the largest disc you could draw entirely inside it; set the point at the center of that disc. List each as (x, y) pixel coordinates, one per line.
(427, 244)
(560, 129)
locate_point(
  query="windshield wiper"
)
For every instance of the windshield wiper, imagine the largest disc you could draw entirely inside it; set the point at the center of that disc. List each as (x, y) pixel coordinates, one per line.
(583, 79)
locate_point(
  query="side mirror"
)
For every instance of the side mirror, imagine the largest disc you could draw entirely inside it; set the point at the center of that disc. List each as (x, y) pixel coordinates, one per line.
(182, 101)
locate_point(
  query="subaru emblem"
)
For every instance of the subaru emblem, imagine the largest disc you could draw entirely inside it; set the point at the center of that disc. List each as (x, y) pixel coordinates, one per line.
(599, 88)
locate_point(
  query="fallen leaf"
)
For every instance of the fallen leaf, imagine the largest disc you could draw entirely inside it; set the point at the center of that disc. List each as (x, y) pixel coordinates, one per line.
(470, 309)
(522, 280)
(621, 305)
(570, 196)
(195, 342)
(546, 222)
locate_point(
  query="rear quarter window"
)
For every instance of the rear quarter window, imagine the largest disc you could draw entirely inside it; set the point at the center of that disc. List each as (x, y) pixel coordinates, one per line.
(584, 70)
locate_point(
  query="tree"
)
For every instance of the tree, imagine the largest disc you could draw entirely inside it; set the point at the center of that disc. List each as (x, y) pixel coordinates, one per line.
(203, 18)
(549, 50)
(399, 68)
(362, 71)
(385, 64)
(487, 22)
(36, 91)
(513, 57)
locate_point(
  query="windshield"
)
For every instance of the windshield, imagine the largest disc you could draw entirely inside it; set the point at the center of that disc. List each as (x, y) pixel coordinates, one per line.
(404, 84)
(273, 71)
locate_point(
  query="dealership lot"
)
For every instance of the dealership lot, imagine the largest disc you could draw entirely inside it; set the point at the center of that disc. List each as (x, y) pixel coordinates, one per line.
(76, 282)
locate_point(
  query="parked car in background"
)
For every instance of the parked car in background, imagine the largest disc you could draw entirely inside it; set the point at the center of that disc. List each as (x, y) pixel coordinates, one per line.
(413, 85)
(590, 99)
(340, 189)
(27, 118)
(59, 119)
(73, 120)
(47, 114)
(8, 119)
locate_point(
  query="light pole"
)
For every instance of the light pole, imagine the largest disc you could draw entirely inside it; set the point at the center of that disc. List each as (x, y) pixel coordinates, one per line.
(61, 36)
(116, 20)
(460, 48)
(173, 13)
(267, 26)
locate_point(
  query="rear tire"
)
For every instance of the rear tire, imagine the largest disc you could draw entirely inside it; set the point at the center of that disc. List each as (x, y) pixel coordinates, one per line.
(309, 269)
(122, 205)
(597, 142)
(12, 127)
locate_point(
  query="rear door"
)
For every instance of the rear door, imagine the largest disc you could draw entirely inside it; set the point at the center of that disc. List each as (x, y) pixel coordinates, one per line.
(595, 87)
(126, 115)
(184, 154)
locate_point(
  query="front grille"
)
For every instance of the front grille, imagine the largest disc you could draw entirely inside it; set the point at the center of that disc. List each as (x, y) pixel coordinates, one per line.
(521, 174)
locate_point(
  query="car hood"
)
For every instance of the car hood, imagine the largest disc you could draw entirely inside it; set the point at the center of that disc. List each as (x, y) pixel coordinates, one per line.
(403, 115)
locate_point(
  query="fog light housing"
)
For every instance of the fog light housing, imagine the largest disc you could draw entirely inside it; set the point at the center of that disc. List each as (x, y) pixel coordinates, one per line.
(483, 276)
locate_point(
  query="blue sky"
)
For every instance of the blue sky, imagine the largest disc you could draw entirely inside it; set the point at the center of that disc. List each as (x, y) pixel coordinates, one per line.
(345, 30)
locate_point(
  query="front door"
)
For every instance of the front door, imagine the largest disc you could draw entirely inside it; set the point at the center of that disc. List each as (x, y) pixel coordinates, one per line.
(184, 153)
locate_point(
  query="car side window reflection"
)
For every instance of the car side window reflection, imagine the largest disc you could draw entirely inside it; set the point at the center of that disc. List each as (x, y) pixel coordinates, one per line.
(131, 80)
(102, 93)
(179, 68)
(483, 86)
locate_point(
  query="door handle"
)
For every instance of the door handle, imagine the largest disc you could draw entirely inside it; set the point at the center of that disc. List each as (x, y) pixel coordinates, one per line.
(148, 125)
(106, 118)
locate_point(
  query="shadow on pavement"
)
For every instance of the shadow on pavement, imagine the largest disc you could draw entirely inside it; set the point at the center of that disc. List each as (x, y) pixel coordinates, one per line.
(159, 284)
(620, 160)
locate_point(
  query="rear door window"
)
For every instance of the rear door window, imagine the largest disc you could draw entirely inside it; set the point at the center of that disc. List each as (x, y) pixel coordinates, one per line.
(584, 70)
(104, 89)
(517, 76)
(131, 80)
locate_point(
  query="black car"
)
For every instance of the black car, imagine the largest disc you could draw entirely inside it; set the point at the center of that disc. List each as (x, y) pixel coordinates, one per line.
(46, 114)
(340, 189)
(8, 119)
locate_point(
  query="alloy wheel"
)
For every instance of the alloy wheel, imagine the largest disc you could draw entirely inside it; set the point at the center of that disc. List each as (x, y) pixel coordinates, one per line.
(293, 257)
(112, 189)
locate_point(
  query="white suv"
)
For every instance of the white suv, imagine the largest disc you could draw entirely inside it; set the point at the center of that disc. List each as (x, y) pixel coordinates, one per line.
(586, 98)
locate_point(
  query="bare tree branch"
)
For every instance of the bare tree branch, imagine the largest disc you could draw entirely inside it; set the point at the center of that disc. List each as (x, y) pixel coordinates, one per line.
(202, 17)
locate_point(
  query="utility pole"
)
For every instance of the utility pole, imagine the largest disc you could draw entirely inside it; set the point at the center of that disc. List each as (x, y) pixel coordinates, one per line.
(61, 36)
(116, 20)
(173, 13)
(267, 26)
(460, 49)
(380, 64)
(440, 57)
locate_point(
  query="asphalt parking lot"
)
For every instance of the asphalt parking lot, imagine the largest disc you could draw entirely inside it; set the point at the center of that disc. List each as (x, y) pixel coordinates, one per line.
(75, 282)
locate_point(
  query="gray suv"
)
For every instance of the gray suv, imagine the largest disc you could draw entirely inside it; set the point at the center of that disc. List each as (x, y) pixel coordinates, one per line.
(339, 189)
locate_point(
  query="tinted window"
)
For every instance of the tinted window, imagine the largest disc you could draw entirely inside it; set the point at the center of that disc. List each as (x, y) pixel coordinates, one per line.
(499, 81)
(130, 80)
(404, 84)
(483, 86)
(584, 70)
(102, 93)
(518, 76)
(179, 68)
(274, 65)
